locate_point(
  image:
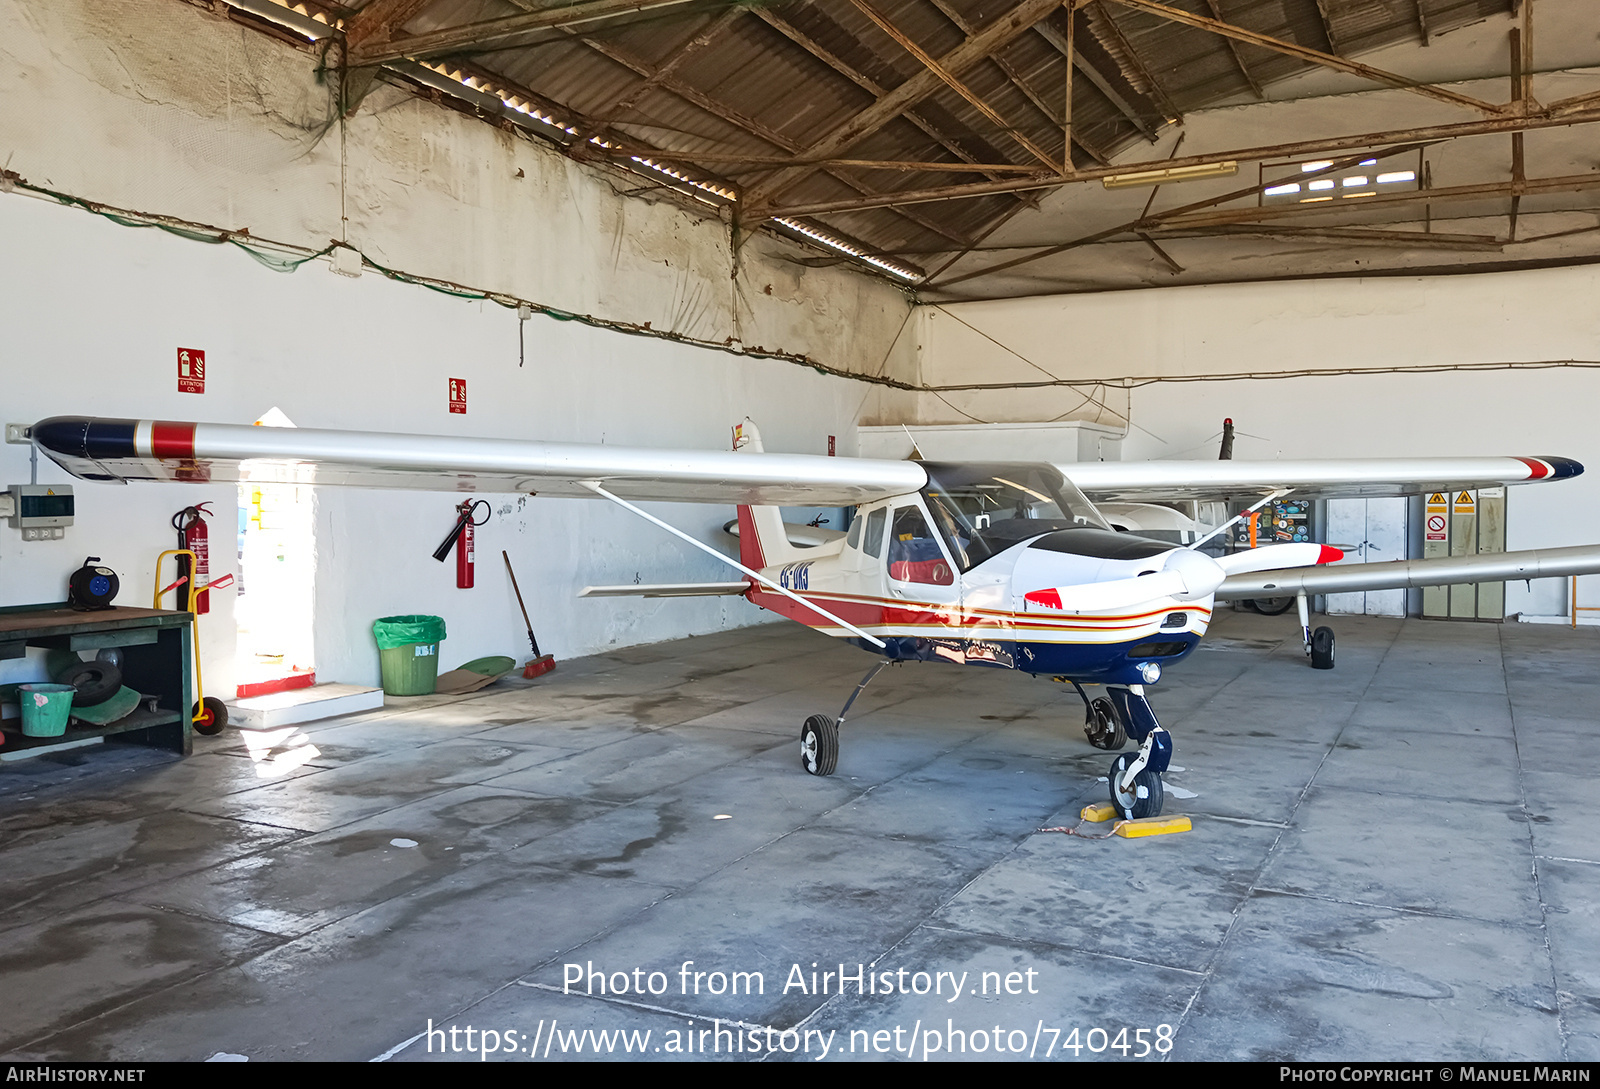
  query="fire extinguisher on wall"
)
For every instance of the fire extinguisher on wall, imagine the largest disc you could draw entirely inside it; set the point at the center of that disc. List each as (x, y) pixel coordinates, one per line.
(462, 538)
(190, 522)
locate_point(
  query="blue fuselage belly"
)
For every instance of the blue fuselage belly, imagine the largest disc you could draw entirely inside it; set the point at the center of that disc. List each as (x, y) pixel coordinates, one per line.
(1108, 663)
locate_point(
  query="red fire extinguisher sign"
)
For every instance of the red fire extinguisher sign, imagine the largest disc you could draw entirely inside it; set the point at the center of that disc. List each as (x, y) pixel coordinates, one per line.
(191, 370)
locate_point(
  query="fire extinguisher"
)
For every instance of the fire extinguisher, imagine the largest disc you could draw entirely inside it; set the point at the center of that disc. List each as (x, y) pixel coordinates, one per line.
(191, 526)
(461, 537)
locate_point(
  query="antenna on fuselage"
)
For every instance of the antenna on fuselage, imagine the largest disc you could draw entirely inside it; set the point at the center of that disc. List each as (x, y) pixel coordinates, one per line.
(1227, 441)
(916, 451)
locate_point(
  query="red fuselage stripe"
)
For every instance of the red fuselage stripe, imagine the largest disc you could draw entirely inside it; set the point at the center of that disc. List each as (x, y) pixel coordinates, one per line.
(869, 613)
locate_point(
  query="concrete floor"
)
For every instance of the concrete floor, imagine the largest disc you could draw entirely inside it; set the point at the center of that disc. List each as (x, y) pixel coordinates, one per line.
(1388, 861)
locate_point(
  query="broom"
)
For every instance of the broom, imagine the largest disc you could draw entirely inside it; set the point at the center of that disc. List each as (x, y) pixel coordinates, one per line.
(539, 664)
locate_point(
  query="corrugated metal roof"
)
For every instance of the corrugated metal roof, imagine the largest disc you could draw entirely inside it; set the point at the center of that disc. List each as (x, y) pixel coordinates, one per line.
(701, 83)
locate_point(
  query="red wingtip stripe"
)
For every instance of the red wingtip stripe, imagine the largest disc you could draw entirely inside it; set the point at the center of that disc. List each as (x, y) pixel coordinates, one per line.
(1538, 470)
(1329, 554)
(1048, 598)
(171, 440)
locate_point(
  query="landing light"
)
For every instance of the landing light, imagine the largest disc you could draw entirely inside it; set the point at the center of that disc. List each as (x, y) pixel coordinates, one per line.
(1150, 671)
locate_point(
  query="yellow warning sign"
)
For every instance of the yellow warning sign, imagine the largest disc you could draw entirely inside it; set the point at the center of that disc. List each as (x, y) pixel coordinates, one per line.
(1463, 500)
(1436, 499)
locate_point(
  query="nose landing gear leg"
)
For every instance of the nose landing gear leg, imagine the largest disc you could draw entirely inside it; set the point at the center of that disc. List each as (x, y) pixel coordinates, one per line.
(1136, 787)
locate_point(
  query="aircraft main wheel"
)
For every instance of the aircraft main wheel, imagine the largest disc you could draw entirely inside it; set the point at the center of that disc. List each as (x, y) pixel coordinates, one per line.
(1103, 727)
(1272, 606)
(819, 745)
(210, 716)
(1322, 648)
(1147, 795)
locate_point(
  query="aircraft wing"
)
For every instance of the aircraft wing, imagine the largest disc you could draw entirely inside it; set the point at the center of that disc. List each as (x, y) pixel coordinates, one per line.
(123, 450)
(1334, 478)
(1536, 563)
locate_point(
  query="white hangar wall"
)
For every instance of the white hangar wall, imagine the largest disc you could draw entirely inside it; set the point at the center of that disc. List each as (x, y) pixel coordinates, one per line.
(1345, 333)
(169, 110)
(92, 319)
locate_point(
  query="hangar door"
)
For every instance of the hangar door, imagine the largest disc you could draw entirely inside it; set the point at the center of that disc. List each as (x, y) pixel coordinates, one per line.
(1370, 531)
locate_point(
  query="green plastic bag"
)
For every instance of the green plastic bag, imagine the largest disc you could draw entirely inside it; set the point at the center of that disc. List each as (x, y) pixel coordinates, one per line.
(393, 632)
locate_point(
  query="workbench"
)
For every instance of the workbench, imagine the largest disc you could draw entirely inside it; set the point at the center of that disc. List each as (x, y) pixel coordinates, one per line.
(156, 661)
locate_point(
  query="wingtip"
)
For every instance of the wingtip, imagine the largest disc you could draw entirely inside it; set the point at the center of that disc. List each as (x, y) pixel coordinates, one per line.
(1329, 554)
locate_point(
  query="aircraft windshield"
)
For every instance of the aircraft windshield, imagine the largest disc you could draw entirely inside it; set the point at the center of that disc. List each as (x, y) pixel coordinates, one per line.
(982, 509)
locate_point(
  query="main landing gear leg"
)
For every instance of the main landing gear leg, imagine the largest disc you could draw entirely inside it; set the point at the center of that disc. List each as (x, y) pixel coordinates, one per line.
(1136, 787)
(819, 735)
(1319, 643)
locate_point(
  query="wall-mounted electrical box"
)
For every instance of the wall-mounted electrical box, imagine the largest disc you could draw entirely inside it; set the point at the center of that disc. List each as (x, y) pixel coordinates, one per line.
(41, 511)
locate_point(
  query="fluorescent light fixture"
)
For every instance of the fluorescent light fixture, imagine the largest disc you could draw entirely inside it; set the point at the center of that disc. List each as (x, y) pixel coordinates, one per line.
(1322, 183)
(1354, 181)
(1306, 168)
(1283, 190)
(1397, 176)
(1170, 174)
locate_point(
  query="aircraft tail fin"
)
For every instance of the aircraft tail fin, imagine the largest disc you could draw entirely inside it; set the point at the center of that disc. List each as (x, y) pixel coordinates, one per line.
(763, 540)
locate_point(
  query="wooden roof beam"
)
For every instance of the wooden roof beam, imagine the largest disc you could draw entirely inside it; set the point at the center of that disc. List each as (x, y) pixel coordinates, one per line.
(1118, 100)
(873, 88)
(1327, 60)
(1238, 57)
(1141, 70)
(1305, 148)
(989, 112)
(1327, 27)
(699, 98)
(1017, 80)
(842, 137)
(492, 31)
(1146, 222)
(1574, 183)
(380, 21)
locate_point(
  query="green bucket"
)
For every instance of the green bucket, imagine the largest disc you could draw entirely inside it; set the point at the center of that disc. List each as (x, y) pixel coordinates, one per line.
(45, 708)
(408, 653)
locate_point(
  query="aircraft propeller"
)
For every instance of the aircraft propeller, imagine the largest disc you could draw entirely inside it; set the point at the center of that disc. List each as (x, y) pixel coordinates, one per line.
(1186, 575)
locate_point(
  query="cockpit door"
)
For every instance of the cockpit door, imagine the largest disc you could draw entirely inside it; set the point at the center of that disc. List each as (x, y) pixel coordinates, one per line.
(919, 568)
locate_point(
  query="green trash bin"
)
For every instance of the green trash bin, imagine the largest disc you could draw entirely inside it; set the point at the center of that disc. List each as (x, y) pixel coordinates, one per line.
(408, 653)
(45, 708)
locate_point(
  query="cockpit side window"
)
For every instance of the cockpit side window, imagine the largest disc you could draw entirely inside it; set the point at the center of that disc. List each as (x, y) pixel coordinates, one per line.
(914, 553)
(853, 538)
(873, 543)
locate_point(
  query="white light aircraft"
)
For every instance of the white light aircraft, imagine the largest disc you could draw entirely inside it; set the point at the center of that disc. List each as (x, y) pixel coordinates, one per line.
(1002, 565)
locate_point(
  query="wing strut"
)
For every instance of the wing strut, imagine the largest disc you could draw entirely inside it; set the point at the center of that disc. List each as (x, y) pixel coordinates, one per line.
(708, 550)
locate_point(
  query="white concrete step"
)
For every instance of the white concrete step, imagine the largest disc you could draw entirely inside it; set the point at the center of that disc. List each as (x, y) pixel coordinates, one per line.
(303, 705)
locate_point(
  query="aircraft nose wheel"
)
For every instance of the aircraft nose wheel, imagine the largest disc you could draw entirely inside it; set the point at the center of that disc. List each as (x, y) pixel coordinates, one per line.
(819, 745)
(1105, 730)
(1144, 798)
